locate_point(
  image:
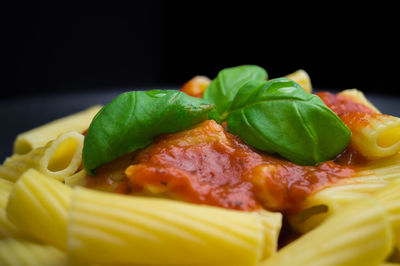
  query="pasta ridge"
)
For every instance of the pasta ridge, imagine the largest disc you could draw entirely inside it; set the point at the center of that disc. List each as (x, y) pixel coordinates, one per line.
(48, 200)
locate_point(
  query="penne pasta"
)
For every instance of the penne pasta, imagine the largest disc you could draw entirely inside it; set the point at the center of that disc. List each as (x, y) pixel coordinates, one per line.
(38, 206)
(40, 136)
(114, 229)
(7, 229)
(302, 78)
(394, 256)
(203, 193)
(18, 252)
(58, 159)
(389, 196)
(196, 86)
(358, 97)
(359, 234)
(375, 136)
(77, 179)
(319, 206)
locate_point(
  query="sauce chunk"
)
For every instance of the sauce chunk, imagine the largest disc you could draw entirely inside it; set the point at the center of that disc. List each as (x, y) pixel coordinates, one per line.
(207, 165)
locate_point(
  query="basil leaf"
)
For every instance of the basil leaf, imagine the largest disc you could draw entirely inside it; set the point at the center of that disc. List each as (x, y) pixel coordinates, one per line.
(278, 116)
(133, 119)
(222, 90)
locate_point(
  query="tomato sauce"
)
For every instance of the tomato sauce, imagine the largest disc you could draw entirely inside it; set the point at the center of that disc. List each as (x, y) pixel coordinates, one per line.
(202, 165)
(340, 104)
(207, 165)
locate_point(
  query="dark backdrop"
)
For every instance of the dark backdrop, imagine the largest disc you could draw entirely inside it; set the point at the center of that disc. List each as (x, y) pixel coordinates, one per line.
(63, 47)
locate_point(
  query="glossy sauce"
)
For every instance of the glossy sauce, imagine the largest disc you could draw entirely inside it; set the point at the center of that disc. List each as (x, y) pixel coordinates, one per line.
(202, 165)
(340, 104)
(208, 165)
(353, 114)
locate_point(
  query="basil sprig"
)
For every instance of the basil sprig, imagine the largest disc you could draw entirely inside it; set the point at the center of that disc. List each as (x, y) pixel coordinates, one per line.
(133, 119)
(278, 116)
(223, 89)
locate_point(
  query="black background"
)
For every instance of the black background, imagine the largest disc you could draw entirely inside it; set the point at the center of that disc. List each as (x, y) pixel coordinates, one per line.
(62, 58)
(69, 48)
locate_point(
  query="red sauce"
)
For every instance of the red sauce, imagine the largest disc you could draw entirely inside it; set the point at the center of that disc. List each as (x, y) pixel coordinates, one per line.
(111, 177)
(202, 165)
(210, 166)
(207, 165)
(343, 104)
(357, 120)
(281, 185)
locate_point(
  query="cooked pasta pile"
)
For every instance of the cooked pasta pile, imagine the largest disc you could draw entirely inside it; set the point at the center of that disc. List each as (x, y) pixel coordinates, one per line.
(49, 217)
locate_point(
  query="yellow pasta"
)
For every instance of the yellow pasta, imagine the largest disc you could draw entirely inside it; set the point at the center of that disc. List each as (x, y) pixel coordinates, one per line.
(77, 179)
(115, 229)
(359, 234)
(38, 205)
(7, 229)
(301, 77)
(358, 97)
(375, 136)
(319, 206)
(60, 158)
(395, 256)
(17, 252)
(390, 198)
(196, 86)
(48, 218)
(40, 136)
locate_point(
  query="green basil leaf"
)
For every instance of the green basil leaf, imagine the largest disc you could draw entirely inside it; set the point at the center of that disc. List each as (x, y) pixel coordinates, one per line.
(133, 119)
(278, 116)
(222, 90)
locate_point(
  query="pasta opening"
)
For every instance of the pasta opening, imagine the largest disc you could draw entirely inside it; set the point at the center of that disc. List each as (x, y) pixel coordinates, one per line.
(63, 155)
(22, 147)
(389, 137)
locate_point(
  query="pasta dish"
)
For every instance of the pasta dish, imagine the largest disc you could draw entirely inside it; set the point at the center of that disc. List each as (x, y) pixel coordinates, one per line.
(239, 170)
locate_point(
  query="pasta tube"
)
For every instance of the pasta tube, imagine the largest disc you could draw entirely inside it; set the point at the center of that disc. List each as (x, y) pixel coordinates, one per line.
(38, 205)
(40, 136)
(196, 86)
(327, 201)
(17, 252)
(390, 198)
(375, 136)
(77, 179)
(358, 97)
(302, 78)
(6, 227)
(359, 234)
(58, 159)
(114, 229)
